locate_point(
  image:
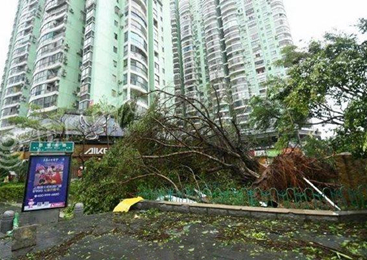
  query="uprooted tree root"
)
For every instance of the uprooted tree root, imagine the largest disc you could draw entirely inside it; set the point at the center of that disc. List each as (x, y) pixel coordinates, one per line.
(288, 170)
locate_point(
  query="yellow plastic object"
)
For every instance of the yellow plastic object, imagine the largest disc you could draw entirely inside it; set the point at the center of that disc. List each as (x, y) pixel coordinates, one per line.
(124, 206)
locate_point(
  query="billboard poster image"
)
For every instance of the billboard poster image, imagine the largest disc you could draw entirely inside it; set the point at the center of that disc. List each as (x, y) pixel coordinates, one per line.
(47, 182)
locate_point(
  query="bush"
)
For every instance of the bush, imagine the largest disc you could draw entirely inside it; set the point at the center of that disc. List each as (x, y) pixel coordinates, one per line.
(12, 192)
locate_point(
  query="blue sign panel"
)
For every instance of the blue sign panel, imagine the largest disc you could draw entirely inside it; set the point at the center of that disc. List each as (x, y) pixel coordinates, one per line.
(47, 182)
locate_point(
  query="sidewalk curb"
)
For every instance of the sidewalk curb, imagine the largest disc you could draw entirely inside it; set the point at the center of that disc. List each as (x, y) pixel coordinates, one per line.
(256, 212)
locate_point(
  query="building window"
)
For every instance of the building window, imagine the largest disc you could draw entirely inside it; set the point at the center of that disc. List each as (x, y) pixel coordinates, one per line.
(139, 67)
(114, 49)
(139, 81)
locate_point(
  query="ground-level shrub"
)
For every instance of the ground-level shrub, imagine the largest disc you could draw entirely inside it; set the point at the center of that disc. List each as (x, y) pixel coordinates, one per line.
(12, 192)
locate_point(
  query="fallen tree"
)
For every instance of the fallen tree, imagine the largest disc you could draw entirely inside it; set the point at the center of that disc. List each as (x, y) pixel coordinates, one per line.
(176, 150)
(193, 149)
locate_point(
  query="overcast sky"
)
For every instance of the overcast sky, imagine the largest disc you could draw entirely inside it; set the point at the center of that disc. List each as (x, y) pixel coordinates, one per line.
(312, 18)
(308, 19)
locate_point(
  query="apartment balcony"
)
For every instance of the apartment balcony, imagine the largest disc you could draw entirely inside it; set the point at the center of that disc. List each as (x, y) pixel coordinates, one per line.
(91, 14)
(23, 41)
(11, 104)
(215, 75)
(233, 38)
(89, 28)
(134, 87)
(17, 73)
(10, 112)
(277, 3)
(139, 5)
(89, 3)
(228, 7)
(54, 16)
(237, 61)
(44, 94)
(20, 54)
(53, 39)
(18, 62)
(88, 42)
(18, 83)
(214, 57)
(46, 102)
(210, 16)
(230, 26)
(176, 71)
(238, 69)
(56, 25)
(22, 36)
(52, 4)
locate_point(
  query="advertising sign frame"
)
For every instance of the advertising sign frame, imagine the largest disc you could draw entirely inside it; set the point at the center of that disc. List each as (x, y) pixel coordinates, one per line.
(65, 181)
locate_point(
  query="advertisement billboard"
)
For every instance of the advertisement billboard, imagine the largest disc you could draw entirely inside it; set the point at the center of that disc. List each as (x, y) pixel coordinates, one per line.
(47, 182)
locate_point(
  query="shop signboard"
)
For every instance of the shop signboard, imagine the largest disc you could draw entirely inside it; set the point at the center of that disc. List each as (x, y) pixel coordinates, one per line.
(51, 147)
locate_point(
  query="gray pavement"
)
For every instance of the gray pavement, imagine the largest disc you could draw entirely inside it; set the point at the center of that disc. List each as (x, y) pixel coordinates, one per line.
(154, 235)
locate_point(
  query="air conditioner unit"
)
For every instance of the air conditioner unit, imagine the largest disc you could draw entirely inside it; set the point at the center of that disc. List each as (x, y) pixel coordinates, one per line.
(63, 73)
(71, 10)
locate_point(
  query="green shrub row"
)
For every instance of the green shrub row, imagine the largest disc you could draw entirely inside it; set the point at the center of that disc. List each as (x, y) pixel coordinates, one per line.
(11, 192)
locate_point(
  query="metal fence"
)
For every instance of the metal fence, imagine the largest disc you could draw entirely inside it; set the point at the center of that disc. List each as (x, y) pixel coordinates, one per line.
(345, 198)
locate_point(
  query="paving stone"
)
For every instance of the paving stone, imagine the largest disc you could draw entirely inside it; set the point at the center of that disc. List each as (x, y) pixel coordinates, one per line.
(217, 212)
(24, 237)
(164, 207)
(181, 209)
(239, 213)
(198, 210)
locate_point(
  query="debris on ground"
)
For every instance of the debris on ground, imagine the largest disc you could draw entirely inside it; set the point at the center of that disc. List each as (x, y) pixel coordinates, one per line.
(125, 205)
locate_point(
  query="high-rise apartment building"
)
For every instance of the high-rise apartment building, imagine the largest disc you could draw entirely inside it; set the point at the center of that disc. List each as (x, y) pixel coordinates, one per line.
(126, 51)
(228, 48)
(19, 66)
(76, 53)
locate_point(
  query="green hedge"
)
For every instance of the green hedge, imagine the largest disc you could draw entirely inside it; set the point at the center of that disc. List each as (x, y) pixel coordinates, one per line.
(12, 192)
